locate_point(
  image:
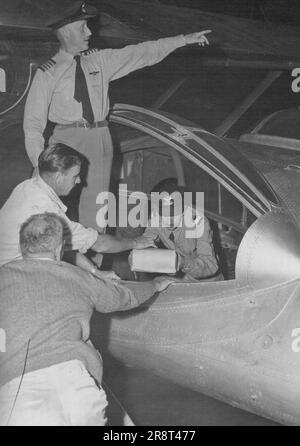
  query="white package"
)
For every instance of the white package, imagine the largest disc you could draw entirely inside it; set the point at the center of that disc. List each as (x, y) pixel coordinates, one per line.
(153, 260)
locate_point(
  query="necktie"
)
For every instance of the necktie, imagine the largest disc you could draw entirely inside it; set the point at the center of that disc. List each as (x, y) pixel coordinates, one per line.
(171, 237)
(81, 93)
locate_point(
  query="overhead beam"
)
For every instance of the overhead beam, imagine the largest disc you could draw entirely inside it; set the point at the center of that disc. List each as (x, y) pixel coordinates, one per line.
(261, 64)
(236, 114)
(168, 93)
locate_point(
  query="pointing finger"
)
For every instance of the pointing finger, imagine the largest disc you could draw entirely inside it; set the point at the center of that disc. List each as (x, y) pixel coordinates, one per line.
(202, 33)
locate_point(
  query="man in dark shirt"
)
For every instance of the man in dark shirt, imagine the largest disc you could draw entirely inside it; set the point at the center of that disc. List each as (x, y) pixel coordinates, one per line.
(196, 256)
(49, 373)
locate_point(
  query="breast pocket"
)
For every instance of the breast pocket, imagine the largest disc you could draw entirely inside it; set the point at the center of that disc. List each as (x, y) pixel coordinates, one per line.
(95, 87)
(65, 88)
(95, 79)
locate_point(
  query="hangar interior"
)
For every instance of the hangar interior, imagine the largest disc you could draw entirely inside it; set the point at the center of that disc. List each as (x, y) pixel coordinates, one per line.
(230, 96)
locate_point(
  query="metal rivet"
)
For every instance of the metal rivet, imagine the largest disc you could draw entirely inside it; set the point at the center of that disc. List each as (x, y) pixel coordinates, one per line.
(267, 342)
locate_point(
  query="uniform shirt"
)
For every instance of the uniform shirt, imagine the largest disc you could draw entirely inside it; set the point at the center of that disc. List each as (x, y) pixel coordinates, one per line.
(50, 303)
(52, 91)
(31, 197)
(196, 254)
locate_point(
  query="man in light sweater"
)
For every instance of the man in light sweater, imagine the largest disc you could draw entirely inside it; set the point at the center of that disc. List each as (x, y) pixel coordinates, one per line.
(49, 373)
(60, 169)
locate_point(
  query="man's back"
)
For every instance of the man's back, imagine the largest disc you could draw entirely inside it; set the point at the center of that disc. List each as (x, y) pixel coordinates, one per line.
(47, 304)
(27, 198)
(35, 196)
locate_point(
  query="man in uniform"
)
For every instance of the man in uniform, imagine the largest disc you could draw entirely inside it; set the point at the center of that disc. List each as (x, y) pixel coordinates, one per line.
(71, 90)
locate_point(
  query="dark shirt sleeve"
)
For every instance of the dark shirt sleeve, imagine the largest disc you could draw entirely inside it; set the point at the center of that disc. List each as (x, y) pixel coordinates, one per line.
(109, 296)
(202, 263)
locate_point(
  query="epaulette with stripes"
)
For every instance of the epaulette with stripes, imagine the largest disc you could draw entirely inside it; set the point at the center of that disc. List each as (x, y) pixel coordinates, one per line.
(90, 51)
(47, 65)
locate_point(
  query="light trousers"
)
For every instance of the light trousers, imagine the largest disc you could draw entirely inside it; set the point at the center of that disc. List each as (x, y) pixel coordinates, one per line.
(96, 145)
(60, 395)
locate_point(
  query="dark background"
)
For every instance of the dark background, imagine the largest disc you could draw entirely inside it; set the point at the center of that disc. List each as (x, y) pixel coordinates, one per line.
(280, 11)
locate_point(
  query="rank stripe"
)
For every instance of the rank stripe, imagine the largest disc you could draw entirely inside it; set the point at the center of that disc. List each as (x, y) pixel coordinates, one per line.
(47, 65)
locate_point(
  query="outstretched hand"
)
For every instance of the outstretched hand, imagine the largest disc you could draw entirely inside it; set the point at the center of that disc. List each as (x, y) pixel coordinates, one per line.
(106, 275)
(162, 282)
(143, 242)
(198, 37)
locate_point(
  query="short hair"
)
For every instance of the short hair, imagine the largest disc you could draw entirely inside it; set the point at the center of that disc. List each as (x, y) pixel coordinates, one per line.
(170, 186)
(41, 233)
(58, 158)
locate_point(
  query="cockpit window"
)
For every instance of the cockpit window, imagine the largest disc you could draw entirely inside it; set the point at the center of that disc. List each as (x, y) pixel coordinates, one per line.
(242, 164)
(285, 124)
(214, 155)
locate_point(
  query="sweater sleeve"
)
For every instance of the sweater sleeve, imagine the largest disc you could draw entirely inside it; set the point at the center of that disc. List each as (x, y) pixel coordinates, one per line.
(110, 296)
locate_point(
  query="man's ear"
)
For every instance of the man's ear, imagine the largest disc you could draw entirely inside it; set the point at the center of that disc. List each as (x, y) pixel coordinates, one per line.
(61, 34)
(59, 252)
(58, 178)
(65, 32)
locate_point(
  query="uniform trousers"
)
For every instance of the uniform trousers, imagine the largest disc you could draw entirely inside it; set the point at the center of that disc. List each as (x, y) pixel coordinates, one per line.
(96, 146)
(61, 395)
